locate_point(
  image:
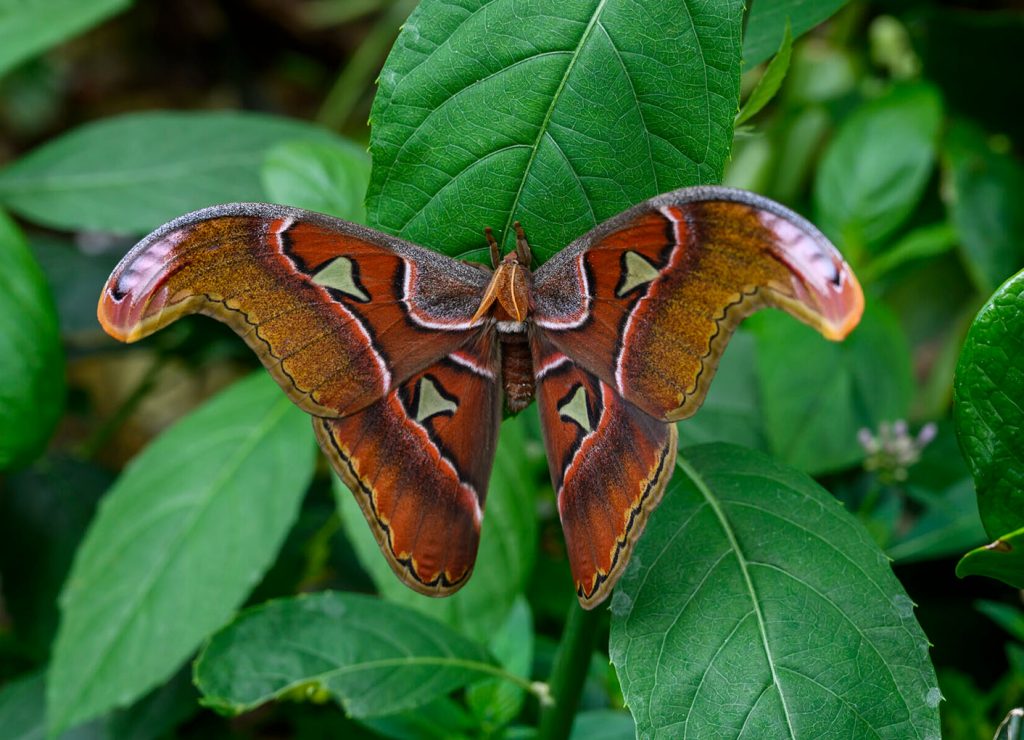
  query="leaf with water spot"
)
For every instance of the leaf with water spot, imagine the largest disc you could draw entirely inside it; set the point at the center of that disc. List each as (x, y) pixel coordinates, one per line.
(756, 606)
(557, 114)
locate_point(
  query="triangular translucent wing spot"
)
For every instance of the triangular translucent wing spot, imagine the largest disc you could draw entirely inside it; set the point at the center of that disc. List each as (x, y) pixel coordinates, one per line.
(340, 274)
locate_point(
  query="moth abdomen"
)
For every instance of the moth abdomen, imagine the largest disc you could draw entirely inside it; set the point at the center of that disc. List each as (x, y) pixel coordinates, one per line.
(516, 371)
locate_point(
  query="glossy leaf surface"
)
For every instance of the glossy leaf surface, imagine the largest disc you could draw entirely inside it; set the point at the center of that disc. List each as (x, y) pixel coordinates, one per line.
(134, 172)
(31, 358)
(987, 407)
(756, 606)
(181, 538)
(557, 114)
(372, 657)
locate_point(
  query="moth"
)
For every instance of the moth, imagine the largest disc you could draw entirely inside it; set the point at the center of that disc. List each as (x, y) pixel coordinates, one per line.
(404, 357)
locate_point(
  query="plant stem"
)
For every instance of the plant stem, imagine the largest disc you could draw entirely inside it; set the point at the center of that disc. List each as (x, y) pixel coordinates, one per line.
(362, 67)
(569, 672)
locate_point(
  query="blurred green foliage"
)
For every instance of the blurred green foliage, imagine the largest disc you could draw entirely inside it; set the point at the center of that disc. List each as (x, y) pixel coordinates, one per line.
(893, 126)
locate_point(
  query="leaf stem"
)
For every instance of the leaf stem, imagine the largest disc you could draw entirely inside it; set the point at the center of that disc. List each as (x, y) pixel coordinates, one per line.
(569, 673)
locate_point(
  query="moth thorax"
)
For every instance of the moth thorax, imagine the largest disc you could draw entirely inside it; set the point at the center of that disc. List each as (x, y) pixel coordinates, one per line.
(516, 371)
(514, 290)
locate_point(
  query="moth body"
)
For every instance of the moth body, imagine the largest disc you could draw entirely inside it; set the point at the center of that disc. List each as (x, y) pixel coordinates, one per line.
(510, 304)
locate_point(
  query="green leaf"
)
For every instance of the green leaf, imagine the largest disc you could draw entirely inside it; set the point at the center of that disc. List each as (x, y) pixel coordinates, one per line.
(755, 605)
(23, 713)
(1002, 559)
(557, 114)
(441, 719)
(77, 279)
(816, 395)
(133, 172)
(29, 27)
(44, 512)
(495, 702)
(767, 21)
(603, 724)
(770, 81)
(948, 526)
(732, 410)
(985, 193)
(987, 407)
(508, 543)
(373, 657)
(875, 170)
(921, 243)
(179, 541)
(31, 358)
(327, 177)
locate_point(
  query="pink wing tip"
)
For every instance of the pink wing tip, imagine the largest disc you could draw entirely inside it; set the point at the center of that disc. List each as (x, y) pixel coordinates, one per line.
(822, 280)
(135, 287)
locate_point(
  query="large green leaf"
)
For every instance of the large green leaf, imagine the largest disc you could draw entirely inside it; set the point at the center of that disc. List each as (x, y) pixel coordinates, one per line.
(508, 543)
(28, 27)
(876, 168)
(766, 24)
(986, 195)
(371, 656)
(988, 410)
(557, 114)
(177, 544)
(133, 172)
(756, 606)
(816, 395)
(31, 358)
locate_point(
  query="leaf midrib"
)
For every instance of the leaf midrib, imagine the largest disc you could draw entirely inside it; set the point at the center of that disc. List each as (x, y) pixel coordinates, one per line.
(741, 561)
(232, 465)
(542, 130)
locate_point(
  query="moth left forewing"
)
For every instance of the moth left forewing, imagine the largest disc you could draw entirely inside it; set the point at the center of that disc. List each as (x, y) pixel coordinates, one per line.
(609, 463)
(418, 462)
(648, 300)
(337, 313)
